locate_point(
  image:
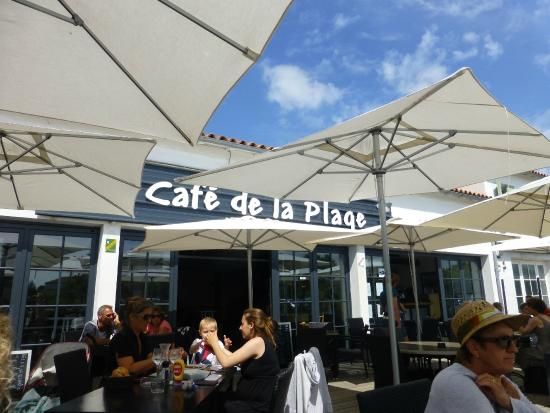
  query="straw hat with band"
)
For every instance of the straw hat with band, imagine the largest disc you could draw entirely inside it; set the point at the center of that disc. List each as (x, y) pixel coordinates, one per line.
(475, 315)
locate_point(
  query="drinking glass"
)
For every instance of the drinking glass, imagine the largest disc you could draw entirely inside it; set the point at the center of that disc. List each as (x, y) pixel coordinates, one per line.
(157, 358)
(174, 355)
(157, 386)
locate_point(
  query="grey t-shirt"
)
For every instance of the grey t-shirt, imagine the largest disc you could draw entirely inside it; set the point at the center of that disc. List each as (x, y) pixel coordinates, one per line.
(92, 330)
(454, 391)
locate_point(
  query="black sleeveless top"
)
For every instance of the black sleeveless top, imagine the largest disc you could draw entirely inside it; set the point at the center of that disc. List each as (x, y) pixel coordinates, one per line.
(258, 379)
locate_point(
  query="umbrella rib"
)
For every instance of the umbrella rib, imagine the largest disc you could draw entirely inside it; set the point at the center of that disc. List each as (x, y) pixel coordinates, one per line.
(12, 181)
(251, 54)
(45, 10)
(414, 165)
(26, 150)
(15, 141)
(328, 163)
(82, 136)
(22, 144)
(544, 212)
(347, 165)
(78, 21)
(47, 170)
(234, 238)
(302, 247)
(508, 211)
(386, 152)
(406, 158)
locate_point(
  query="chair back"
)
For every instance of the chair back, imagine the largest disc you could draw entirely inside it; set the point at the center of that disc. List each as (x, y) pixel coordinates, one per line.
(411, 397)
(411, 329)
(430, 330)
(73, 374)
(280, 390)
(307, 337)
(356, 327)
(380, 351)
(285, 350)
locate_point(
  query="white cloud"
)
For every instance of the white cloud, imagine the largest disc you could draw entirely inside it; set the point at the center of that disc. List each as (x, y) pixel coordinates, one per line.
(340, 21)
(458, 8)
(460, 55)
(470, 37)
(356, 65)
(293, 88)
(412, 71)
(543, 60)
(492, 47)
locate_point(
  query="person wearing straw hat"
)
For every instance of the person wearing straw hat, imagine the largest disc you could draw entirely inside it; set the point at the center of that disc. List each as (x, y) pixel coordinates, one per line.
(477, 381)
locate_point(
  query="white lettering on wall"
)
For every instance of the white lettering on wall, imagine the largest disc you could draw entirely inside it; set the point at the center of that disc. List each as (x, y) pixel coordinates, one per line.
(184, 198)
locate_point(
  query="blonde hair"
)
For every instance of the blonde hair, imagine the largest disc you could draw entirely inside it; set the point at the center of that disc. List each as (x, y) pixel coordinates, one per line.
(208, 321)
(5, 367)
(263, 324)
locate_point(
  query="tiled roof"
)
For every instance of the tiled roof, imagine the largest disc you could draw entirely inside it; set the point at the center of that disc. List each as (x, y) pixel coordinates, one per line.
(253, 145)
(539, 173)
(471, 193)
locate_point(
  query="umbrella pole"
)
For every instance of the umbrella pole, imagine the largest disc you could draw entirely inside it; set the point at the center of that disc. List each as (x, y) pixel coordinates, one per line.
(379, 173)
(249, 264)
(415, 292)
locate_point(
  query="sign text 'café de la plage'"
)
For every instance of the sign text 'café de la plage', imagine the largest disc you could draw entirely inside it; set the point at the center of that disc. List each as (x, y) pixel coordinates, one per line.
(166, 194)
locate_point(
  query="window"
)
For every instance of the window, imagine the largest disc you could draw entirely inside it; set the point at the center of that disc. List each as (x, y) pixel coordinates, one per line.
(144, 274)
(8, 251)
(375, 280)
(501, 188)
(461, 282)
(295, 287)
(57, 288)
(529, 280)
(299, 274)
(333, 303)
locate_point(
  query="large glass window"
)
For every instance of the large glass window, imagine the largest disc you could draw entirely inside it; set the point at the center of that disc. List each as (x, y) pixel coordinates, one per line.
(529, 280)
(299, 274)
(295, 287)
(57, 287)
(145, 274)
(461, 282)
(8, 251)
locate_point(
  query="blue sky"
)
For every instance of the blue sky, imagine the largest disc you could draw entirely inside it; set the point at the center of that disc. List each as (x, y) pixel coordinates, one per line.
(330, 60)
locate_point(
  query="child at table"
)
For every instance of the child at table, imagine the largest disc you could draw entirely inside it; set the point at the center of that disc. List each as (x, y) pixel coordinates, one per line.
(202, 352)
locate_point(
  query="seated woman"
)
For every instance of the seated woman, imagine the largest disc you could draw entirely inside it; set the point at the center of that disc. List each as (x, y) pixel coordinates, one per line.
(538, 326)
(258, 360)
(158, 324)
(130, 346)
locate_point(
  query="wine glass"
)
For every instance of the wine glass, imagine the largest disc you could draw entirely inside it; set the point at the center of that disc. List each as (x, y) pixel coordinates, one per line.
(157, 358)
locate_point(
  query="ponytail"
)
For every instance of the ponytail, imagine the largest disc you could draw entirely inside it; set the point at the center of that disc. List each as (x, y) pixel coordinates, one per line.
(263, 324)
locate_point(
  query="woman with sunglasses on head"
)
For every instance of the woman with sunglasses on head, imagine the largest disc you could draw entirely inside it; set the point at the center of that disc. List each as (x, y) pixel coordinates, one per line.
(158, 324)
(477, 381)
(130, 346)
(538, 327)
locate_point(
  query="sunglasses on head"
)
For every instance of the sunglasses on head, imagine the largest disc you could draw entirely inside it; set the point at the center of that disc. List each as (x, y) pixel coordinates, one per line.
(504, 342)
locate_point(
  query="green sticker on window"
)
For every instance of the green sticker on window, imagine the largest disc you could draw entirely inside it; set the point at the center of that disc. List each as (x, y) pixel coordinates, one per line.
(110, 245)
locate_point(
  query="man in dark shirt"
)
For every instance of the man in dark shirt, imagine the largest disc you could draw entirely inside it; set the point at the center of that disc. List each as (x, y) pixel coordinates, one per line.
(99, 332)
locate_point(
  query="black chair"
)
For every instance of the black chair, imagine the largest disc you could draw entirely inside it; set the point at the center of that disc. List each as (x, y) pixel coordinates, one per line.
(354, 344)
(73, 374)
(411, 397)
(411, 329)
(318, 336)
(280, 390)
(430, 330)
(283, 338)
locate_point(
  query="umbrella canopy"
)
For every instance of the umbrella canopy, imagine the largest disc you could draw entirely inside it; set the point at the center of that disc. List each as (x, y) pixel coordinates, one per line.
(418, 237)
(246, 233)
(522, 211)
(161, 66)
(48, 164)
(447, 135)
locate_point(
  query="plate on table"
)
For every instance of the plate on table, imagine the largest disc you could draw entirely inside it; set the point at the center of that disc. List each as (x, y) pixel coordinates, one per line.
(195, 374)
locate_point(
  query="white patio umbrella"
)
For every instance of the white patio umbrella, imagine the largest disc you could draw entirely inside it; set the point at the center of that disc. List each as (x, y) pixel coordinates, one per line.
(417, 236)
(48, 164)
(521, 211)
(444, 136)
(155, 67)
(245, 233)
